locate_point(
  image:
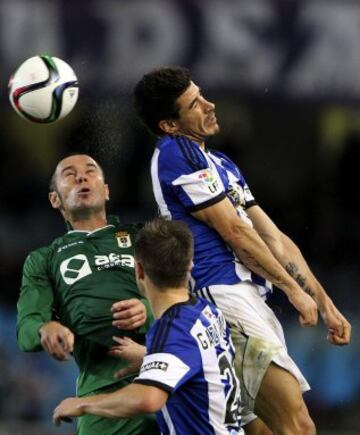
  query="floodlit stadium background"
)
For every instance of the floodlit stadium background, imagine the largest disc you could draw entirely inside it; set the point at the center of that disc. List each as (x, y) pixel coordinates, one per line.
(285, 77)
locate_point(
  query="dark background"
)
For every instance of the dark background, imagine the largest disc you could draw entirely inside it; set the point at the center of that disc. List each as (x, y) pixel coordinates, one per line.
(284, 76)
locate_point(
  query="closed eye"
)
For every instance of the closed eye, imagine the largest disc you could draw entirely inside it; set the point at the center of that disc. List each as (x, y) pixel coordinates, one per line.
(68, 173)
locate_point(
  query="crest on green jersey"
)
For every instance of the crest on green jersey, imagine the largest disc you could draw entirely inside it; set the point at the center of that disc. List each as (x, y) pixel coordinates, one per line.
(123, 239)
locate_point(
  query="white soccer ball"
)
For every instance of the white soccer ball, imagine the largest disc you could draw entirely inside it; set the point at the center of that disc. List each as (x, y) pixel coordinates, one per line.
(43, 89)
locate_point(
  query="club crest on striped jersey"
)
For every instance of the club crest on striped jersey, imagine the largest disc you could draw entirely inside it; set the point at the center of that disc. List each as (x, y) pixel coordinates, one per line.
(123, 239)
(210, 181)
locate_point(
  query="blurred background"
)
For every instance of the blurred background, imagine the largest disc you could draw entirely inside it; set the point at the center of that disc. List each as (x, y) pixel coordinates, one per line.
(285, 77)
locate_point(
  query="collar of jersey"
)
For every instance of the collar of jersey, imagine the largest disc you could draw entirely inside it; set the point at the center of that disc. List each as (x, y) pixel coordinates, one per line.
(163, 140)
(191, 301)
(112, 222)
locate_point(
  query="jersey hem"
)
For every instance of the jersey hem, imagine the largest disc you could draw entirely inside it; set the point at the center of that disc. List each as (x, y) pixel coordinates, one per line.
(208, 203)
(250, 204)
(151, 383)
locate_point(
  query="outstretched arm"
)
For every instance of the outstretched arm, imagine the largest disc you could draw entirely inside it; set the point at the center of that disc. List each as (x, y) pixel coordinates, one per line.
(135, 399)
(289, 255)
(256, 255)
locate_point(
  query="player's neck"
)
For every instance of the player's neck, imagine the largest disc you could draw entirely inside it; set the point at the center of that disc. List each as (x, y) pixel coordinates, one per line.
(87, 222)
(198, 140)
(160, 301)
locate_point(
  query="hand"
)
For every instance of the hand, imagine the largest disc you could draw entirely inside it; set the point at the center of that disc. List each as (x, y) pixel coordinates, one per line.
(339, 329)
(129, 351)
(57, 340)
(70, 407)
(306, 306)
(129, 314)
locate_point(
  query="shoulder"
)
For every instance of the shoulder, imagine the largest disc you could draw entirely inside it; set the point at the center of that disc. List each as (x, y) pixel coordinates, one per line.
(45, 253)
(132, 228)
(224, 159)
(173, 329)
(178, 151)
(38, 258)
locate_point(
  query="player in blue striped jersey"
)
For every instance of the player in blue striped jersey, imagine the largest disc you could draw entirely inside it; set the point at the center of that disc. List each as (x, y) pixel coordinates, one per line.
(239, 252)
(187, 374)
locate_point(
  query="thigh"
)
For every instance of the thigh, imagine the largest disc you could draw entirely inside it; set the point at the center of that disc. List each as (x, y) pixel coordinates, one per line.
(279, 399)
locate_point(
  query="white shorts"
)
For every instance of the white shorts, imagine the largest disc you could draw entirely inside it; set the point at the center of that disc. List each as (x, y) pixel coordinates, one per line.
(258, 338)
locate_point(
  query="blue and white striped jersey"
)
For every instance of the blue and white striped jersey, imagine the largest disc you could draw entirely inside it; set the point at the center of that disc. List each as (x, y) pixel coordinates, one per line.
(186, 179)
(190, 355)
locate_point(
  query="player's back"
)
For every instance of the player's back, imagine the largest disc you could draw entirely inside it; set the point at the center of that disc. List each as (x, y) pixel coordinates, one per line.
(190, 355)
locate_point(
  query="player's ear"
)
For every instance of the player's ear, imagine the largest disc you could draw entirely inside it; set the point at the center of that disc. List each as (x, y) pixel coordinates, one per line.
(54, 199)
(168, 126)
(140, 277)
(107, 192)
(139, 271)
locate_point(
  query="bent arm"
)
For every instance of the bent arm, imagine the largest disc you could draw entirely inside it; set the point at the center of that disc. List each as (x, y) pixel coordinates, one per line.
(34, 307)
(291, 258)
(288, 255)
(246, 244)
(253, 252)
(35, 328)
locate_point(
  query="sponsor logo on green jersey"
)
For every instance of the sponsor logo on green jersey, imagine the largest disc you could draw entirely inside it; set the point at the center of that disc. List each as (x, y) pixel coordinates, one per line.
(75, 268)
(78, 266)
(113, 260)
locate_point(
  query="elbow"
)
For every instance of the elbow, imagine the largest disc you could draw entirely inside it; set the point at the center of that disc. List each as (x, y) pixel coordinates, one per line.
(236, 233)
(26, 342)
(147, 405)
(152, 401)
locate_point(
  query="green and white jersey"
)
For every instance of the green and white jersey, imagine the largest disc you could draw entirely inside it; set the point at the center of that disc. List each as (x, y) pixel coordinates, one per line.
(75, 280)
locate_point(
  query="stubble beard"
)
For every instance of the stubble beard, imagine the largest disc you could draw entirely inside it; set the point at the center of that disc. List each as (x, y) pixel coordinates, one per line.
(80, 212)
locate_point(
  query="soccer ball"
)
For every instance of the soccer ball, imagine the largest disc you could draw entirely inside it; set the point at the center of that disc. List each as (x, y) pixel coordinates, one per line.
(43, 89)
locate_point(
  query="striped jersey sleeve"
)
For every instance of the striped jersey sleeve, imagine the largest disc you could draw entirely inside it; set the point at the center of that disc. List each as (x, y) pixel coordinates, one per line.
(184, 172)
(172, 357)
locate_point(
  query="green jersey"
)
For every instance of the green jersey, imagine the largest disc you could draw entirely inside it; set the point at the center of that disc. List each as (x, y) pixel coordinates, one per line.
(75, 280)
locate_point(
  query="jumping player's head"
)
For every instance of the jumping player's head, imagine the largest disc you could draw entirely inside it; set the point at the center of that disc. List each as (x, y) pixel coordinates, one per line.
(169, 102)
(77, 187)
(163, 254)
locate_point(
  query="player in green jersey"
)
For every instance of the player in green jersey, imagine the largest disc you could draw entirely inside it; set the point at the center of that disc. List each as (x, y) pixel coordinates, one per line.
(69, 287)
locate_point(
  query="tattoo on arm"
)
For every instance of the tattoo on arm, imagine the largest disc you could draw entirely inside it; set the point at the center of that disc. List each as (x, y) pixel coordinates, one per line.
(262, 270)
(293, 271)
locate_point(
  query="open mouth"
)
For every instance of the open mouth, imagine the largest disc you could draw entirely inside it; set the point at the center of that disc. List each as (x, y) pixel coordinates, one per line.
(83, 191)
(212, 120)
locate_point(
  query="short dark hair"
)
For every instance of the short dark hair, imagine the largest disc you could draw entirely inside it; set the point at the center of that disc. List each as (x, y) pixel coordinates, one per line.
(156, 93)
(165, 249)
(52, 181)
